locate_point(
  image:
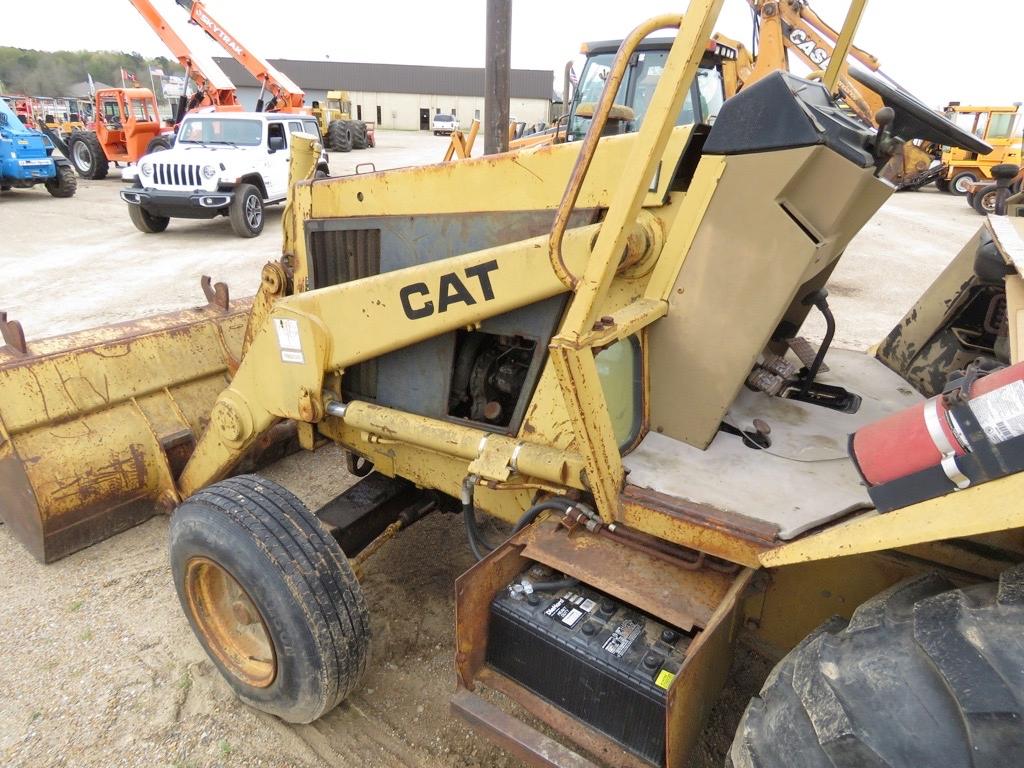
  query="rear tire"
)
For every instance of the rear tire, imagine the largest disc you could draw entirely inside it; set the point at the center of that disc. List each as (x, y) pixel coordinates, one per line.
(359, 135)
(270, 596)
(942, 184)
(246, 211)
(147, 222)
(922, 675)
(339, 136)
(984, 200)
(958, 184)
(64, 184)
(86, 154)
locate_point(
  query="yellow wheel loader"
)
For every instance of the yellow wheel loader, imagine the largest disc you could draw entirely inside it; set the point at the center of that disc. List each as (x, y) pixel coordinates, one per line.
(598, 343)
(341, 133)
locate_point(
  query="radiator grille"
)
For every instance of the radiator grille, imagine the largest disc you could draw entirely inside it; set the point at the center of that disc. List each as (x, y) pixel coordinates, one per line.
(178, 175)
(339, 256)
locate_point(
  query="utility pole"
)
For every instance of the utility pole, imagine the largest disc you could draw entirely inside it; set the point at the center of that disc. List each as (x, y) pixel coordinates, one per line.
(497, 74)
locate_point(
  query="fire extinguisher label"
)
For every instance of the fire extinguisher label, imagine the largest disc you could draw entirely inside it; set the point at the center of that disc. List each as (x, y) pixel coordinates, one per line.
(1001, 412)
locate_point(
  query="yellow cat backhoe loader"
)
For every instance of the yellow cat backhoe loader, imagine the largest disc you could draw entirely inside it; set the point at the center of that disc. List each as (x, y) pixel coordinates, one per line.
(588, 342)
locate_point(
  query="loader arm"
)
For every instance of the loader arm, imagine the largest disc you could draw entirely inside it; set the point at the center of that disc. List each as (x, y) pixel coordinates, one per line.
(285, 96)
(217, 89)
(311, 334)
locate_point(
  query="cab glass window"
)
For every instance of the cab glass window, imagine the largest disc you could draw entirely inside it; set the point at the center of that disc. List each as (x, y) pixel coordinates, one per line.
(637, 90)
(712, 93)
(141, 111)
(1001, 125)
(621, 373)
(111, 112)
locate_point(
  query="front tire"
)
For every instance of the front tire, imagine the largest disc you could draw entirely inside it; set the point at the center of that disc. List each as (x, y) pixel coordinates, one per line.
(270, 596)
(64, 184)
(922, 675)
(147, 222)
(958, 184)
(246, 211)
(86, 154)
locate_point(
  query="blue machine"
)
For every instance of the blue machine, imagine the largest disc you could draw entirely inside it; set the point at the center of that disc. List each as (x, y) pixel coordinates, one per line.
(26, 158)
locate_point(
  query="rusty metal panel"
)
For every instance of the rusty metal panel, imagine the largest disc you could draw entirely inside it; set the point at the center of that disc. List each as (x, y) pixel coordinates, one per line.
(717, 532)
(526, 743)
(681, 597)
(696, 687)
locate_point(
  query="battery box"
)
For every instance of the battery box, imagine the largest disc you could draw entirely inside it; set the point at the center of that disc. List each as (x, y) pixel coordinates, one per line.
(592, 656)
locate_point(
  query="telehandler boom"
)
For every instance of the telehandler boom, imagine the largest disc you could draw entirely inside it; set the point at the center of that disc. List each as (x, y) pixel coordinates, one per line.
(582, 341)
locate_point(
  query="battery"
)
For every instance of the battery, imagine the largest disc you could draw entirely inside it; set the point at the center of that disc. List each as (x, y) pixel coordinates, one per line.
(592, 656)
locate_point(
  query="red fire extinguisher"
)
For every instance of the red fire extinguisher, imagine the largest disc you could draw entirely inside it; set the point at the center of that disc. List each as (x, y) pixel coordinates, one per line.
(936, 433)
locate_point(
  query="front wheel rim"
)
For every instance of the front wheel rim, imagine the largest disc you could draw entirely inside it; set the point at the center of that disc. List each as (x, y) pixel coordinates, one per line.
(253, 212)
(988, 202)
(961, 184)
(83, 155)
(230, 623)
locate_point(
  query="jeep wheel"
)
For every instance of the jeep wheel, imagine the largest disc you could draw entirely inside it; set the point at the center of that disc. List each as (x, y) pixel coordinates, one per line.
(339, 136)
(270, 596)
(922, 675)
(147, 222)
(64, 183)
(87, 155)
(246, 211)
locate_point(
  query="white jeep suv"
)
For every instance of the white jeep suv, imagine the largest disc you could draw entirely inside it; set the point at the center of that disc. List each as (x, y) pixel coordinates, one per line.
(222, 164)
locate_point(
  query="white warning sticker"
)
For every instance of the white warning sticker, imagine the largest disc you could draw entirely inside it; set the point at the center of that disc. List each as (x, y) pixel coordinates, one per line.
(1001, 412)
(622, 638)
(587, 606)
(288, 340)
(572, 617)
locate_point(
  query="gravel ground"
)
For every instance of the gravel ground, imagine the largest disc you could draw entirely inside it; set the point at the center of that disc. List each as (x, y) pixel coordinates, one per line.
(100, 667)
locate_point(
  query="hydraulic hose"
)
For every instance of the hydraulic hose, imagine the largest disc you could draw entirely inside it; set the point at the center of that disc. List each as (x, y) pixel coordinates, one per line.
(557, 504)
(477, 545)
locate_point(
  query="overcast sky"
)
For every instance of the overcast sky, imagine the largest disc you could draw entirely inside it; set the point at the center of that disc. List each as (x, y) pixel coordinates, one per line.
(965, 49)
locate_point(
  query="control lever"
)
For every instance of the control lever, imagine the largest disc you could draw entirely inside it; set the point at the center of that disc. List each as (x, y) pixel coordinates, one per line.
(819, 299)
(886, 144)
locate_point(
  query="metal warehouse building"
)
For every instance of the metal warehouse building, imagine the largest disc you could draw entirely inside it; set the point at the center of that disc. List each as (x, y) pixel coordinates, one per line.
(404, 96)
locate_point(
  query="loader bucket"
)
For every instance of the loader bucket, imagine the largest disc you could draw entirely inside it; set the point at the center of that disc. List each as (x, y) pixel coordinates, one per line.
(95, 426)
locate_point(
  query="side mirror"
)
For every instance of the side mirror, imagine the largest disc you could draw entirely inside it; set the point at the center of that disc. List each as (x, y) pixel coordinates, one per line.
(276, 143)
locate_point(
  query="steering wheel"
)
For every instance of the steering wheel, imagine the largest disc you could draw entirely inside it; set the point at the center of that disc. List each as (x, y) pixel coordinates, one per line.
(915, 121)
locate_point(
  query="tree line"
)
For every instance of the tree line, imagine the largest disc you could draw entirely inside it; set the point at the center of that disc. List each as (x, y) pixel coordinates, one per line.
(52, 73)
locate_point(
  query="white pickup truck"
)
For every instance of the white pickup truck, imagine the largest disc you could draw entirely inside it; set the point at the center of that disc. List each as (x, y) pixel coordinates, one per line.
(222, 164)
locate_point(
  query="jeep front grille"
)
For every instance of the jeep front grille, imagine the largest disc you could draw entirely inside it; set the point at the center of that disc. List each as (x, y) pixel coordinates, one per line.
(178, 175)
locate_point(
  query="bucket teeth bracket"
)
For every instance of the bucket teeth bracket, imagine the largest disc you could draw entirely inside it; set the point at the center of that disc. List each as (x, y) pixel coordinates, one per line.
(13, 335)
(216, 293)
